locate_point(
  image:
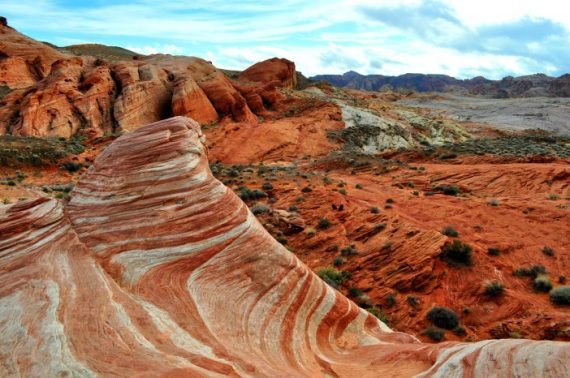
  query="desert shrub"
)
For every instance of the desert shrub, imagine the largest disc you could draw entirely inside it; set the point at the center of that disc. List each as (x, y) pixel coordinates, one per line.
(548, 251)
(533, 271)
(247, 194)
(379, 314)
(232, 172)
(443, 317)
(259, 209)
(354, 292)
(374, 210)
(450, 231)
(449, 190)
(293, 208)
(388, 206)
(459, 331)
(333, 277)
(306, 189)
(338, 261)
(342, 191)
(542, 283)
(327, 180)
(282, 240)
(389, 200)
(358, 186)
(323, 223)
(433, 333)
(72, 167)
(494, 289)
(560, 295)
(562, 279)
(391, 301)
(413, 301)
(492, 251)
(267, 186)
(457, 254)
(349, 251)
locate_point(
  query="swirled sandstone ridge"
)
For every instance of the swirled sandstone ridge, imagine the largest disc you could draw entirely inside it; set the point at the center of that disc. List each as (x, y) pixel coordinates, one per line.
(154, 268)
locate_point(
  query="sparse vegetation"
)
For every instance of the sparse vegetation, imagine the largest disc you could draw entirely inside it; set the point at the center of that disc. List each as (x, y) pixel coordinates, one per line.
(533, 271)
(548, 251)
(560, 296)
(323, 223)
(436, 334)
(443, 317)
(293, 208)
(494, 289)
(542, 283)
(267, 186)
(259, 209)
(450, 231)
(333, 277)
(448, 190)
(374, 210)
(492, 251)
(457, 254)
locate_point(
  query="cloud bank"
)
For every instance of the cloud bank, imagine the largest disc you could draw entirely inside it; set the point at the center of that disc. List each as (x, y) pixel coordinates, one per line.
(454, 37)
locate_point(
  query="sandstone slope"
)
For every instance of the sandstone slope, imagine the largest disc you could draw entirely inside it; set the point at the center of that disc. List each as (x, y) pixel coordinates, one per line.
(155, 268)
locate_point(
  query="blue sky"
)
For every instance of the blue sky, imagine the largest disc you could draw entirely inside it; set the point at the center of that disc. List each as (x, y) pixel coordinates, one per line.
(455, 37)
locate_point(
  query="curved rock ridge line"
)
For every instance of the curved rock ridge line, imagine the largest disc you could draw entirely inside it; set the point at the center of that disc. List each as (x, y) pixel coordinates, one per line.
(155, 268)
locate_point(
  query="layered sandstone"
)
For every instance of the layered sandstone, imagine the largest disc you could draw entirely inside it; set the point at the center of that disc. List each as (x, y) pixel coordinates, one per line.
(156, 268)
(58, 94)
(278, 71)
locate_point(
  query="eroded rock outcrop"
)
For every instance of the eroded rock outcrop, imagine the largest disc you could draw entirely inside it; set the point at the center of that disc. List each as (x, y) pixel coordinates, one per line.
(57, 94)
(278, 71)
(156, 268)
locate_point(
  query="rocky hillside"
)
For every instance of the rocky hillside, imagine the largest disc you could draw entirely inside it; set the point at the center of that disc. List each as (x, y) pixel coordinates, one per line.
(155, 267)
(523, 86)
(50, 92)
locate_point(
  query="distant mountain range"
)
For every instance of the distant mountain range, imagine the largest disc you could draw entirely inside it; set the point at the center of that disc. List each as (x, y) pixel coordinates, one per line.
(522, 86)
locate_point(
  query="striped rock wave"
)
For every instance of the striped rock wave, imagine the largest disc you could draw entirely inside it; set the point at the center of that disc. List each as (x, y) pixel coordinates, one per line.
(155, 268)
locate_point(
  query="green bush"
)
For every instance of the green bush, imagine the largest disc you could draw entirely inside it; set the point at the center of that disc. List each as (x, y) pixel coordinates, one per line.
(306, 189)
(333, 277)
(443, 317)
(323, 223)
(561, 295)
(449, 190)
(374, 210)
(379, 314)
(389, 200)
(533, 271)
(459, 331)
(413, 301)
(433, 333)
(450, 231)
(493, 251)
(548, 251)
(259, 209)
(494, 289)
(338, 261)
(542, 283)
(391, 301)
(358, 186)
(293, 208)
(267, 186)
(457, 254)
(354, 292)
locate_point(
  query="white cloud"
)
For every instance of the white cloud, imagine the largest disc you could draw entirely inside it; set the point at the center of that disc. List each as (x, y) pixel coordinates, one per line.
(157, 49)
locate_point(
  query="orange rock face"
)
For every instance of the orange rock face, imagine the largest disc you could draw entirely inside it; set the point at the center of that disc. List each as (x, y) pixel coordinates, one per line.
(60, 95)
(155, 268)
(280, 72)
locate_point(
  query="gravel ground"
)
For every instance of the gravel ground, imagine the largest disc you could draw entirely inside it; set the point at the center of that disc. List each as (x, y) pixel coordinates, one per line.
(547, 113)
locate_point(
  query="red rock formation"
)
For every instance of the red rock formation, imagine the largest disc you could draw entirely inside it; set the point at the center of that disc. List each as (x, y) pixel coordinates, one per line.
(280, 72)
(61, 95)
(158, 269)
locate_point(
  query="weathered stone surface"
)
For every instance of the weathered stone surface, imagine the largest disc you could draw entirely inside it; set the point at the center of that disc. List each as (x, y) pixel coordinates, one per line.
(278, 71)
(156, 268)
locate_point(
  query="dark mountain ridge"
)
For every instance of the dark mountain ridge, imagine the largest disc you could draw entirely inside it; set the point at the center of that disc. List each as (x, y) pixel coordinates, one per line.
(522, 86)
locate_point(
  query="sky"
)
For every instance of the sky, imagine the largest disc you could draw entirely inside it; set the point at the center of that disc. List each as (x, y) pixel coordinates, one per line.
(461, 38)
